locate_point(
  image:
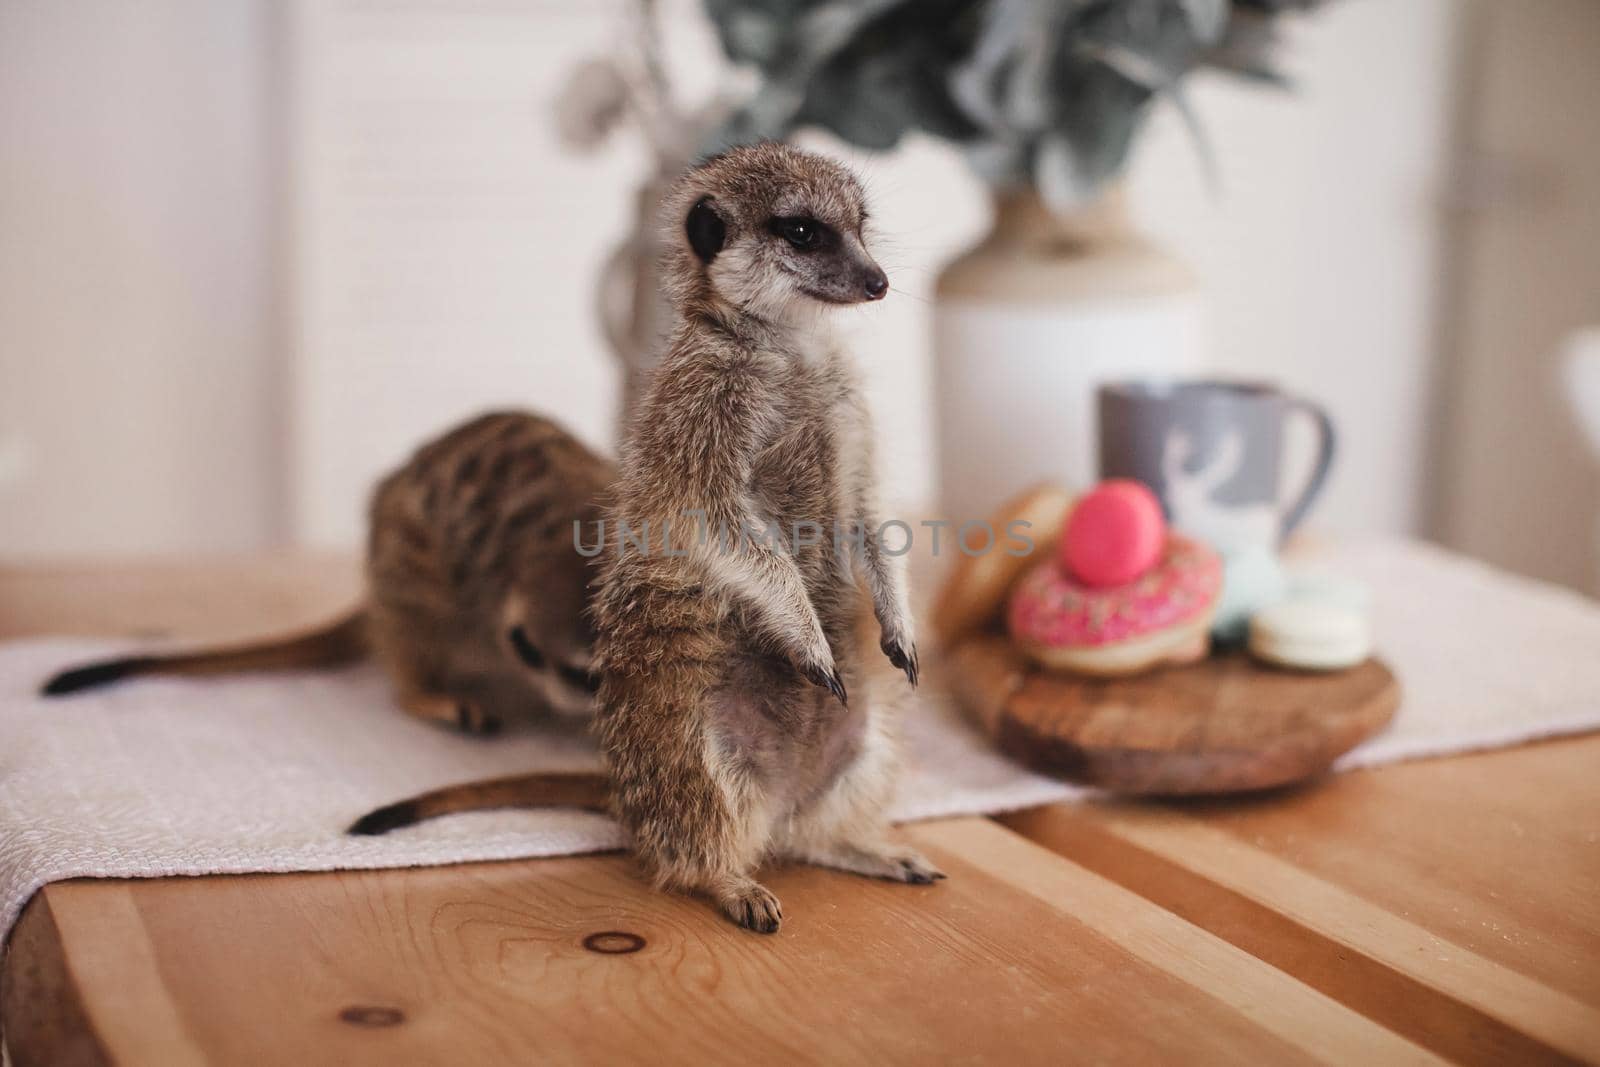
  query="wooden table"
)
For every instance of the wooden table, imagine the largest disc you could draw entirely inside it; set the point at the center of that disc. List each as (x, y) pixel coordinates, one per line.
(1445, 910)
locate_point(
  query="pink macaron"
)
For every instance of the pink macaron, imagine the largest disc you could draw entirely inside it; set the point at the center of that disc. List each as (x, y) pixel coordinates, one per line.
(1115, 534)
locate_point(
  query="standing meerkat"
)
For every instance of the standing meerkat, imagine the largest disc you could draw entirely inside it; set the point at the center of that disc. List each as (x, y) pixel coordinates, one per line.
(726, 660)
(476, 598)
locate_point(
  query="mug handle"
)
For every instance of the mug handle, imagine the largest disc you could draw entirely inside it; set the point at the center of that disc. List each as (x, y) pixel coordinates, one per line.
(1327, 445)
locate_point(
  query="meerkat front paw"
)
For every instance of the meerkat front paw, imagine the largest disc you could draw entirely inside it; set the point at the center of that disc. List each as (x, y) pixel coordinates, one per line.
(461, 714)
(902, 654)
(472, 719)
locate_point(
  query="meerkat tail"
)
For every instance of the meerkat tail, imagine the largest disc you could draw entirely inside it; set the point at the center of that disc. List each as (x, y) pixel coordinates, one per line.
(340, 642)
(587, 791)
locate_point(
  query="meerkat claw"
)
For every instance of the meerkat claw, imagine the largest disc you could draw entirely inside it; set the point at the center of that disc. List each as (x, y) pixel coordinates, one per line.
(904, 660)
(836, 686)
(829, 679)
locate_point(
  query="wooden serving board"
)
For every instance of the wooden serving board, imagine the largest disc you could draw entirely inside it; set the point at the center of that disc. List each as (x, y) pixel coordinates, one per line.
(1227, 724)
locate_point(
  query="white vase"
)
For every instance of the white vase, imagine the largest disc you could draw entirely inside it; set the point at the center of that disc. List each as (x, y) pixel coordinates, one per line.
(1027, 324)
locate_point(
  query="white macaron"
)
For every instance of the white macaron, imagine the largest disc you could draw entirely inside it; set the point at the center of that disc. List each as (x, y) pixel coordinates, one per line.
(1311, 633)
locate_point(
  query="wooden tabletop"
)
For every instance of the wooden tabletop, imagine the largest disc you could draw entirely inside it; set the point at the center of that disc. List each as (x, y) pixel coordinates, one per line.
(1447, 910)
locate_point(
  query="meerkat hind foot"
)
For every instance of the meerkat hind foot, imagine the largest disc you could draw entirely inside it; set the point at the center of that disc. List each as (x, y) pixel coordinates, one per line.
(889, 862)
(916, 870)
(750, 904)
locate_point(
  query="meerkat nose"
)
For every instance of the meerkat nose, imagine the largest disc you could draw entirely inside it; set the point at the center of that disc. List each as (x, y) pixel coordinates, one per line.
(877, 285)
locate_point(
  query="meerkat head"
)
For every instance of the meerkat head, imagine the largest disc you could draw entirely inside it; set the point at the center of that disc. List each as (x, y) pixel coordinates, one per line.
(773, 231)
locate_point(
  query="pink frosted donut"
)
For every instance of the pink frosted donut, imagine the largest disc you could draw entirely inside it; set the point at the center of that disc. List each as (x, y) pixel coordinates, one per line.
(1162, 616)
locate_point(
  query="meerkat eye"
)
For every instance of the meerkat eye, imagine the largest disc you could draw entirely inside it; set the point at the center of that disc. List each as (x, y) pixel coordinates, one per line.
(800, 233)
(805, 234)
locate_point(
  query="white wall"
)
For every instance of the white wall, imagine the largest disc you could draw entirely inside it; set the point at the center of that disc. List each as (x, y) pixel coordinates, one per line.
(1321, 252)
(1518, 485)
(137, 404)
(446, 246)
(444, 249)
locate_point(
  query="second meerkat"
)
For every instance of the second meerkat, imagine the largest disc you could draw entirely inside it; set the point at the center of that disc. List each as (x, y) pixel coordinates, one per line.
(476, 592)
(726, 660)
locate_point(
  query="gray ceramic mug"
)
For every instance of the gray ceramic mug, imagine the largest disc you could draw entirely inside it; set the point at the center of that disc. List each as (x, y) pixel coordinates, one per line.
(1212, 452)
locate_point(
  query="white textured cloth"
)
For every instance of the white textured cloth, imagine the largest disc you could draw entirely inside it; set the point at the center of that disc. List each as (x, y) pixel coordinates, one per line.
(263, 773)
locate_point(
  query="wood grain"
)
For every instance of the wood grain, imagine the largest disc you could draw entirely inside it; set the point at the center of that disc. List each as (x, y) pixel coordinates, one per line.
(1226, 724)
(1021, 957)
(1455, 901)
(42, 1015)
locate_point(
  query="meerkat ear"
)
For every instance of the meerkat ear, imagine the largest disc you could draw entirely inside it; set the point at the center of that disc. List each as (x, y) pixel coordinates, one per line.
(706, 230)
